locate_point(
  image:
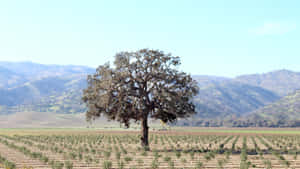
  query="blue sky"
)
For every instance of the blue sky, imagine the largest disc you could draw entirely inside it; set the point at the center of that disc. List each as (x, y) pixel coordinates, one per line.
(223, 38)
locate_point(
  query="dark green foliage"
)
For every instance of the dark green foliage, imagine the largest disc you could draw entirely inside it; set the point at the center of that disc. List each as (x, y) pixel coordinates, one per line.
(141, 85)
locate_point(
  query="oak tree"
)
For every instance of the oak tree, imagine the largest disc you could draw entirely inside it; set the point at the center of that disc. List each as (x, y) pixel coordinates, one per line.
(140, 85)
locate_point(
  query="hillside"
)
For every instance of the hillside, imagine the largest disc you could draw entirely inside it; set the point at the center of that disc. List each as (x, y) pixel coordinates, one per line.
(231, 99)
(37, 88)
(205, 81)
(281, 82)
(35, 71)
(54, 94)
(287, 108)
(284, 112)
(42, 88)
(9, 78)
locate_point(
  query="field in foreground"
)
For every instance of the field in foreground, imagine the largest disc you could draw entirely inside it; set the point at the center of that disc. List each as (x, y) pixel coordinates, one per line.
(178, 148)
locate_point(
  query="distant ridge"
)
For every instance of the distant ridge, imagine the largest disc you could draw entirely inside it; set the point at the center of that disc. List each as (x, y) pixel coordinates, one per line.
(281, 82)
(231, 98)
(287, 108)
(57, 89)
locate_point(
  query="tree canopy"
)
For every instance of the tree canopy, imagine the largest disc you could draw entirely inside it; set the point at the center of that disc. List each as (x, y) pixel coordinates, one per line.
(140, 85)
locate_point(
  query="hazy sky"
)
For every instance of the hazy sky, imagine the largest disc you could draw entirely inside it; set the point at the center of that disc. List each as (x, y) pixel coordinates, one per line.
(224, 38)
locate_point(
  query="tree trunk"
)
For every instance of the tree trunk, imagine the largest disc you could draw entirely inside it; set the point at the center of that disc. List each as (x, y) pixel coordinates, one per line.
(145, 131)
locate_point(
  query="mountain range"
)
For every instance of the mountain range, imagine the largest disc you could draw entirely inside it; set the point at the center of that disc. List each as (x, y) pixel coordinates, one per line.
(257, 100)
(27, 86)
(268, 99)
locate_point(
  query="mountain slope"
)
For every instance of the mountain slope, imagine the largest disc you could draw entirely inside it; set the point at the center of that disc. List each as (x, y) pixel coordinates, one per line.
(282, 82)
(42, 88)
(9, 78)
(231, 99)
(205, 81)
(242, 101)
(287, 108)
(35, 71)
(53, 94)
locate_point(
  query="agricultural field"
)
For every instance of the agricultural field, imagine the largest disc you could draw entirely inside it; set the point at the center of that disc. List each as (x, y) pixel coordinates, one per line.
(177, 148)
